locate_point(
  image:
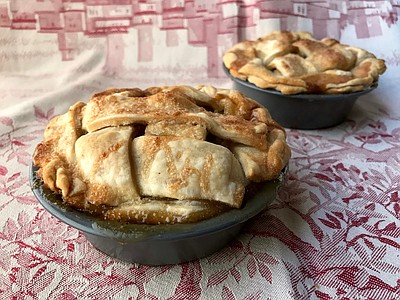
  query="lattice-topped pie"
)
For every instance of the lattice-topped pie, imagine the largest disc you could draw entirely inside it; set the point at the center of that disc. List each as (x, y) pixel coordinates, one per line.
(160, 155)
(296, 62)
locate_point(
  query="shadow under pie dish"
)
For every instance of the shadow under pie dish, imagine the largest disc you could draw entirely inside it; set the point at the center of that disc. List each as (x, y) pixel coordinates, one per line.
(175, 166)
(301, 72)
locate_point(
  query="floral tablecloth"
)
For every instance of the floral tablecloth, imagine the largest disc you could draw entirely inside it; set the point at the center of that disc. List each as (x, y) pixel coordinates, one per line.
(333, 232)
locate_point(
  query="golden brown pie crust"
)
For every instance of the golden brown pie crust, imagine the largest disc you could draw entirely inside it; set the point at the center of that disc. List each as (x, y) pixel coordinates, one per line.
(296, 62)
(161, 155)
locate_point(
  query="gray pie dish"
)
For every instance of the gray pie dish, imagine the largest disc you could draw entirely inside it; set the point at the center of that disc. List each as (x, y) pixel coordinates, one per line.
(156, 245)
(301, 111)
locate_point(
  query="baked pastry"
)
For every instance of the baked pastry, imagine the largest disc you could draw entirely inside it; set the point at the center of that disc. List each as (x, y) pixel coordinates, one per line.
(296, 62)
(161, 155)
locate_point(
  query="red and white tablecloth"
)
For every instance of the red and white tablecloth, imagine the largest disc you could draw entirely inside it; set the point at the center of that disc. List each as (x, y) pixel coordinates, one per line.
(332, 233)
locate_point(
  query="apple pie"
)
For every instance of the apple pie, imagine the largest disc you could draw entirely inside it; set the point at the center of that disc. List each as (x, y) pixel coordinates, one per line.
(296, 62)
(161, 155)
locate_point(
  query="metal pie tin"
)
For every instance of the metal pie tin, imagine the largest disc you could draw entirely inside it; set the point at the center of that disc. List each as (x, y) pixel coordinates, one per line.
(159, 244)
(301, 111)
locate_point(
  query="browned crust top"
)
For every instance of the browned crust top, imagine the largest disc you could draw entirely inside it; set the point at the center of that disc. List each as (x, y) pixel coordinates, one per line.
(296, 62)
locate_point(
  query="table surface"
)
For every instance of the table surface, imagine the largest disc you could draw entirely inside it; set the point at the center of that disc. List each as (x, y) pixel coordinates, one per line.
(333, 232)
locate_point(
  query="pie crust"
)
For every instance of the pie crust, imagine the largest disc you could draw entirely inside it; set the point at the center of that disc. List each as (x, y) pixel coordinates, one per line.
(173, 154)
(296, 62)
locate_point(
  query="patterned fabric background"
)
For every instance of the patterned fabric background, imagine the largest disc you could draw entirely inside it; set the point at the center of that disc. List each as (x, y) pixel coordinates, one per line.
(332, 233)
